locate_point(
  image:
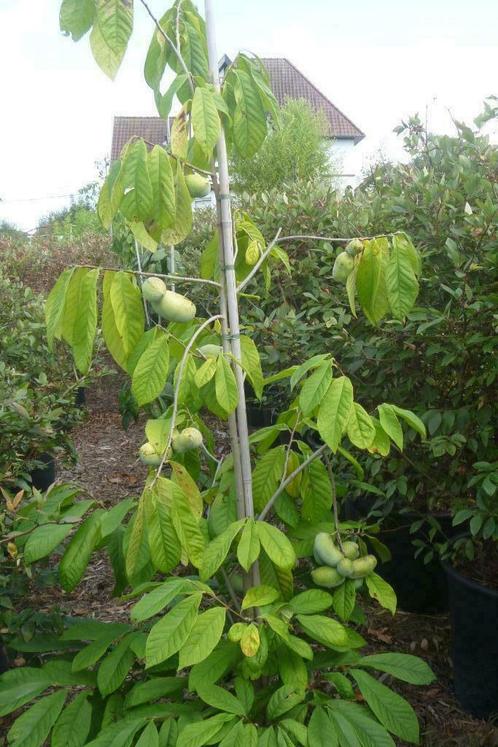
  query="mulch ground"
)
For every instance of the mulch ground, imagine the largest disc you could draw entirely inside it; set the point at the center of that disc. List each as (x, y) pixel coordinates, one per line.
(108, 469)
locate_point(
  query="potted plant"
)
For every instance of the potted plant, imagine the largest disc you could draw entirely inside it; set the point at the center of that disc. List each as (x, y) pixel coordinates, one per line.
(471, 565)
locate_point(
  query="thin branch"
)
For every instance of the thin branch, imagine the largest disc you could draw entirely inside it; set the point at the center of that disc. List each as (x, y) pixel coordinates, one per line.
(173, 46)
(176, 278)
(180, 369)
(258, 264)
(291, 477)
(338, 239)
(231, 590)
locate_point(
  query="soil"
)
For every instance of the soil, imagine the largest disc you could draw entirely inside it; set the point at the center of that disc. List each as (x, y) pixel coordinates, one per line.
(484, 568)
(108, 469)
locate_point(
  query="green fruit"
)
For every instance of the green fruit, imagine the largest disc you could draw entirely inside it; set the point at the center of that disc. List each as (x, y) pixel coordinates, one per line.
(210, 351)
(364, 566)
(350, 550)
(148, 455)
(354, 247)
(189, 438)
(343, 266)
(197, 185)
(358, 583)
(236, 631)
(174, 307)
(326, 577)
(345, 567)
(325, 550)
(153, 289)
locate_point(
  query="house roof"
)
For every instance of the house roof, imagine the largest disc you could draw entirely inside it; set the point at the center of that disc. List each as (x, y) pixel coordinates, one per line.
(286, 81)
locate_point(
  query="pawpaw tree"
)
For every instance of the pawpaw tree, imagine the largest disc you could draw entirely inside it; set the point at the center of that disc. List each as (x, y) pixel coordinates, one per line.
(232, 637)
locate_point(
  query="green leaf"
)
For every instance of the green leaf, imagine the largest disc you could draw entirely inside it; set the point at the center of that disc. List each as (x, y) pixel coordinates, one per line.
(78, 552)
(151, 690)
(19, 686)
(370, 279)
(360, 429)
(149, 737)
(342, 684)
(404, 667)
(411, 419)
(151, 371)
(217, 550)
(138, 200)
(393, 711)
(135, 552)
(316, 492)
(272, 575)
(111, 32)
(283, 700)
(334, 412)
(169, 634)
(249, 117)
(112, 337)
(345, 599)
(315, 388)
(217, 664)
(205, 119)
(185, 523)
(249, 546)
(200, 733)
(43, 540)
(276, 545)
(356, 727)
(267, 475)
(203, 638)
(205, 372)
(163, 188)
(382, 592)
(128, 311)
(258, 596)
(324, 630)
(117, 734)
(225, 385)
(297, 372)
(33, 726)
(85, 323)
(311, 601)
(251, 362)
(401, 281)
(219, 698)
(321, 730)
(89, 655)
(390, 423)
(55, 304)
(182, 224)
(73, 725)
(115, 667)
(76, 17)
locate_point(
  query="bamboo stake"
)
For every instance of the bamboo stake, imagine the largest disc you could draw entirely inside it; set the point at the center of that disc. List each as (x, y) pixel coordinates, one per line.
(228, 269)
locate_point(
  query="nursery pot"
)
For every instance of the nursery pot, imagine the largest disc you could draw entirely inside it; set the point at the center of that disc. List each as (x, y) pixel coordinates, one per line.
(42, 477)
(259, 416)
(474, 624)
(80, 397)
(419, 586)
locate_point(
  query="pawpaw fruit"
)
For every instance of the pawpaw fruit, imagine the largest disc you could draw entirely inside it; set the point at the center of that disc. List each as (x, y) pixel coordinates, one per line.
(326, 577)
(189, 438)
(354, 247)
(174, 307)
(345, 567)
(343, 267)
(153, 289)
(350, 550)
(148, 455)
(325, 551)
(210, 350)
(364, 566)
(235, 632)
(197, 185)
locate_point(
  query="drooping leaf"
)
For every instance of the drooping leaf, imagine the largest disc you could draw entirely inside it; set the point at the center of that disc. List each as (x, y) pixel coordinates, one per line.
(182, 224)
(401, 281)
(128, 311)
(249, 545)
(252, 364)
(282, 700)
(390, 423)
(225, 385)
(43, 540)
(393, 711)
(217, 550)
(382, 592)
(111, 32)
(85, 323)
(321, 730)
(205, 119)
(163, 188)
(116, 665)
(54, 305)
(370, 279)
(138, 200)
(404, 667)
(258, 596)
(78, 552)
(33, 726)
(334, 412)
(73, 725)
(76, 17)
(112, 337)
(276, 545)
(169, 634)
(324, 630)
(315, 388)
(151, 371)
(267, 475)
(360, 429)
(203, 638)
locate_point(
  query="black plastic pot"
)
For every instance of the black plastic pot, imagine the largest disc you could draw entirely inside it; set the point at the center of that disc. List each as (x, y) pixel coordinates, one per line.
(260, 416)
(43, 477)
(80, 397)
(474, 623)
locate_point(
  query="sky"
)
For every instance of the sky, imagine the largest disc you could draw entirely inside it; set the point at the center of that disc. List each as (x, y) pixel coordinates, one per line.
(379, 61)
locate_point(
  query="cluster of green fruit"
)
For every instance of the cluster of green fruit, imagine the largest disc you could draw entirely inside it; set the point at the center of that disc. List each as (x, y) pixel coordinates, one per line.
(336, 564)
(344, 263)
(167, 304)
(182, 441)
